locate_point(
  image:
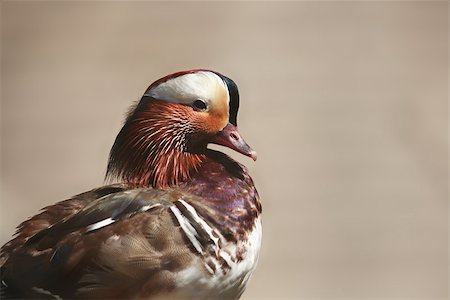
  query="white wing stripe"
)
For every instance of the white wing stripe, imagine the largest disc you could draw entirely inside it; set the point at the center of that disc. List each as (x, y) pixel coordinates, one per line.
(99, 224)
(187, 228)
(45, 292)
(203, 224)
(148, 207)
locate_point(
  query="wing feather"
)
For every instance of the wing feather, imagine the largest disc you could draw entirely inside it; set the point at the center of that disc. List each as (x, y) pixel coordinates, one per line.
(79, 256)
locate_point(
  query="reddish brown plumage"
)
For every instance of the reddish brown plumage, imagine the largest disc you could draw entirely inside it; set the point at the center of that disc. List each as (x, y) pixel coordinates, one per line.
(150, 150)
(180, 208)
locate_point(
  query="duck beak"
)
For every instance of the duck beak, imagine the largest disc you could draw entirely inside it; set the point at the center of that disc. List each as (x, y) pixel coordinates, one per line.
(231, 138)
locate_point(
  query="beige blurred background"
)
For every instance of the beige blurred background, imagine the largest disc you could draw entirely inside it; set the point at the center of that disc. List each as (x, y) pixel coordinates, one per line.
(345, 102)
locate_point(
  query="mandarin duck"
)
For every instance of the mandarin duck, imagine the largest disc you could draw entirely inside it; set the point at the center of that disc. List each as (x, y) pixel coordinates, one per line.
(183, 221)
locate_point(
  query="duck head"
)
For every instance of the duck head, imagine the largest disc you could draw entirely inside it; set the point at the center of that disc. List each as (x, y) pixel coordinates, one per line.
(165, 136)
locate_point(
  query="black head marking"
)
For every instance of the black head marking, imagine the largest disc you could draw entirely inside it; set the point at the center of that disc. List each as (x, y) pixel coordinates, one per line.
(234, 98)
(231, 85)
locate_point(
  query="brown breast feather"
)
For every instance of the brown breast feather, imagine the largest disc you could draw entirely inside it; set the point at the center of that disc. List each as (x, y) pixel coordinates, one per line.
(142, 246)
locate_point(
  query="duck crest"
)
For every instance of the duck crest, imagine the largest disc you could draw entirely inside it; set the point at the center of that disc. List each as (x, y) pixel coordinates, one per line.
(184, 221)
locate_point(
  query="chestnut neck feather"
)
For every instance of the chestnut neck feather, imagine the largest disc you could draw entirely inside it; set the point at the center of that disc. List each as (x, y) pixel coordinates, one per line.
(150, 149)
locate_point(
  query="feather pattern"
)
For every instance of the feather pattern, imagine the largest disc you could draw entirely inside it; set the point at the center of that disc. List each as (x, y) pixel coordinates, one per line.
(184, 223)
(156, 133)
(145, 245)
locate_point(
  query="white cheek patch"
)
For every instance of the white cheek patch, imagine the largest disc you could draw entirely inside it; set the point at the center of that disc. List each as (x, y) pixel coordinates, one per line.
(187, 88)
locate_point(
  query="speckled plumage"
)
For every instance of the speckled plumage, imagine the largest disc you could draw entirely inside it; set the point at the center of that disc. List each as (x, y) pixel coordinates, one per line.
(196, 237)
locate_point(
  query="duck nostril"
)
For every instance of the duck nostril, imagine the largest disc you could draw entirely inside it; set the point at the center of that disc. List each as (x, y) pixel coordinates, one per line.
(234, 136)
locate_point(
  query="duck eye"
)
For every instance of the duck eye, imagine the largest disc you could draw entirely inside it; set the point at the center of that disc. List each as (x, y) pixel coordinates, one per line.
(199, 105)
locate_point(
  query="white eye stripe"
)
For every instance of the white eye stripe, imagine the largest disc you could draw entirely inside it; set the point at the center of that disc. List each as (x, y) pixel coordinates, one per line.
(189, 87)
